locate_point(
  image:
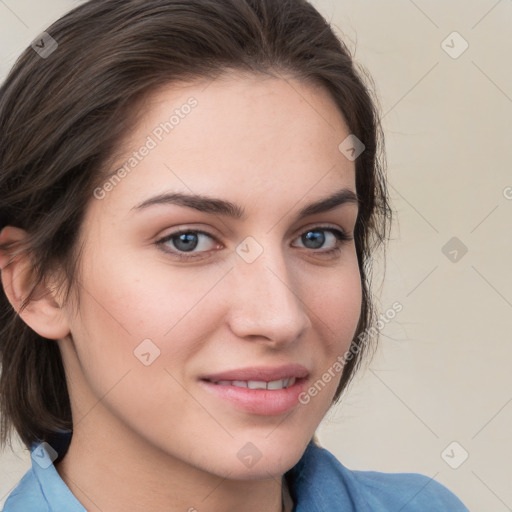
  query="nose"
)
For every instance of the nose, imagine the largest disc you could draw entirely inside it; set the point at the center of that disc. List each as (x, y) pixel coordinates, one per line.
(266, 301)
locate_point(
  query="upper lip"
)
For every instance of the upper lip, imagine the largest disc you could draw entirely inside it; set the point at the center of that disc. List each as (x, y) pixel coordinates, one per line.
(261, 373)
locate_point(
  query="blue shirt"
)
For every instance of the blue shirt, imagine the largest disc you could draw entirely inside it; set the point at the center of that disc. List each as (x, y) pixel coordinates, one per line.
(317, 483)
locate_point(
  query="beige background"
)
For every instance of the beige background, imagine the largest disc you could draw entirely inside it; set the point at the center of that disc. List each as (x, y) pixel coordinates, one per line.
(442, 371)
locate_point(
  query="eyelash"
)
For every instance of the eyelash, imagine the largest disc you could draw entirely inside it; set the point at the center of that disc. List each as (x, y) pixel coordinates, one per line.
(342, 237)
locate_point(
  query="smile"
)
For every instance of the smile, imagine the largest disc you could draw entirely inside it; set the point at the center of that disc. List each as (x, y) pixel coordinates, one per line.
(258, 384)
(260, 390)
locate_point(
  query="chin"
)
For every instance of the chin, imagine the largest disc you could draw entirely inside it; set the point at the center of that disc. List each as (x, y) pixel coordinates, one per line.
(263, 458)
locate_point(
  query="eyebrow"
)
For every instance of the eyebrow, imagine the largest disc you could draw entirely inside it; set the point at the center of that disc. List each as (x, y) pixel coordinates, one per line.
(217, 206)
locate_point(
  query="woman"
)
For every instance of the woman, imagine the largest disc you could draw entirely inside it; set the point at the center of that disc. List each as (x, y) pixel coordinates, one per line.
(191, 195)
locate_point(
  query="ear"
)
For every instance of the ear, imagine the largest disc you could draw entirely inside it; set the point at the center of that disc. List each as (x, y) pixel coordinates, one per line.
(43, 314)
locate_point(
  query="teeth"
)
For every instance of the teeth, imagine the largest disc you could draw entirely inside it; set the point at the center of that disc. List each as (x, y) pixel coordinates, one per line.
(277, 384)
(258, 384)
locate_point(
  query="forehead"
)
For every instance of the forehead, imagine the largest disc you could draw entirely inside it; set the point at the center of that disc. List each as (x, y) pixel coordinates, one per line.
(239, 134)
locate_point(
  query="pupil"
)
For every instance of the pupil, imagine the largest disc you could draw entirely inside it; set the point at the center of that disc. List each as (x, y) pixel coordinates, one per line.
(317, 237)
(188, 242)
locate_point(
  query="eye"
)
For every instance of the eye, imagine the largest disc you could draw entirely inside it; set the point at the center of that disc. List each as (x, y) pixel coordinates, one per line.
(181, 244)
(318, 237)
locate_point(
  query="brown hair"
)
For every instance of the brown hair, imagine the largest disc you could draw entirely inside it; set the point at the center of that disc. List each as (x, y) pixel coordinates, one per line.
(62, 117)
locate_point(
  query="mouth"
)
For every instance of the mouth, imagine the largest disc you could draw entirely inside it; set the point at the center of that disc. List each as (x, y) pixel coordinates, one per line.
(263, 391)
(258, 384)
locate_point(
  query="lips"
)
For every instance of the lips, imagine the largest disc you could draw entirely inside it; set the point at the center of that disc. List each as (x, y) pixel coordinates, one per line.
(260, 373)
(264, 391)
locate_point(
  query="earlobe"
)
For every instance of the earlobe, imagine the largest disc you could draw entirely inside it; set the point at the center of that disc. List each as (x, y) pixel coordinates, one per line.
(43, 313)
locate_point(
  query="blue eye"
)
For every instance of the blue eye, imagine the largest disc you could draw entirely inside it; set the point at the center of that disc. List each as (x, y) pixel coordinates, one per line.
(183, 244)
(317, 238)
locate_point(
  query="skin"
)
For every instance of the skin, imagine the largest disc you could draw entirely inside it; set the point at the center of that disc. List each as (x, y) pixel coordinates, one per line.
(151, 437)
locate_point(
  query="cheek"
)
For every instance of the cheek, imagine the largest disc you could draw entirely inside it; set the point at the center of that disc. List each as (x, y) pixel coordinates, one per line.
(336, 309)
(336, 304)
(135, 336)
(133, 309)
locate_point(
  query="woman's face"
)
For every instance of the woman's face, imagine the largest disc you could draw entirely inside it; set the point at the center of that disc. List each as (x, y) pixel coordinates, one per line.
(165, 351)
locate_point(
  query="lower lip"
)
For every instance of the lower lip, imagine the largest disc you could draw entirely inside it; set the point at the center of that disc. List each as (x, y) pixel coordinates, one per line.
(259, 401)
